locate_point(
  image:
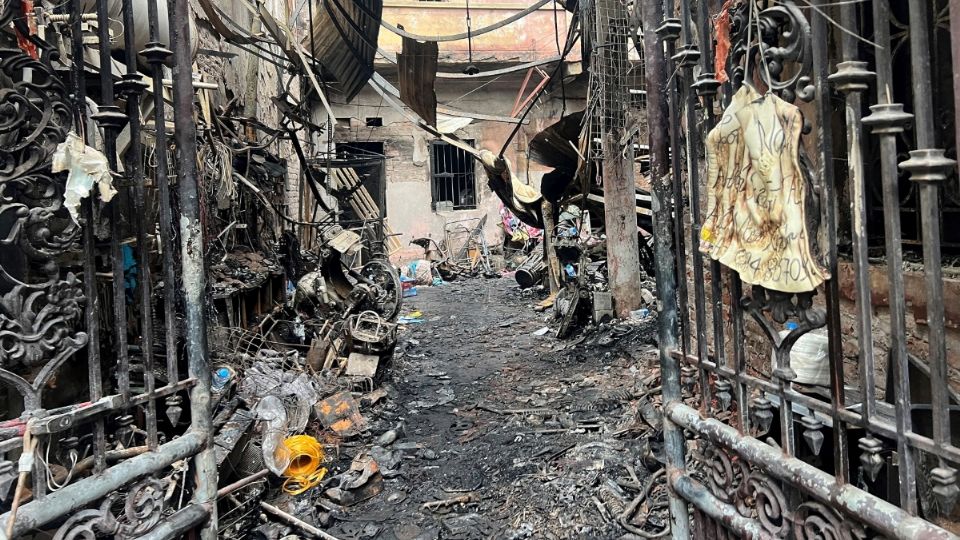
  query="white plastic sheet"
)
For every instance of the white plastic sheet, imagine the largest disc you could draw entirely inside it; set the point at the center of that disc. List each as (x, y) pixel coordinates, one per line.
(87, 168)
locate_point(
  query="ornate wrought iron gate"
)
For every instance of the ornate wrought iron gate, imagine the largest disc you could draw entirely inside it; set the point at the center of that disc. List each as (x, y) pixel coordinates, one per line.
(764, 456)
(107, 464)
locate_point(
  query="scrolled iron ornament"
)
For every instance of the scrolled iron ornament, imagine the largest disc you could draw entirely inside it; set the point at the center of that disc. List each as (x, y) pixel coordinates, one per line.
(143, 508)
(723, 473)
(782, 37)
(40, 308)
(84, 525)
(760, 497)
(813, 520)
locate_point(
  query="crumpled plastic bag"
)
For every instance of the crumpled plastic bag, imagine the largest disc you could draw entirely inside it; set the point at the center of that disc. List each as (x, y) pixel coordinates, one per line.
(87, 168)
(271, 412)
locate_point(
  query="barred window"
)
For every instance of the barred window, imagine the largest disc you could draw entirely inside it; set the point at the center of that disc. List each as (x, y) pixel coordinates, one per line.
(453, 181)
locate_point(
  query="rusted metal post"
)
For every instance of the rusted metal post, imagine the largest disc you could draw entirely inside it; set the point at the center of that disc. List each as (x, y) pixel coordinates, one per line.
(887, 121)
(132, 87)
(821, 65)
(663, 207)
(92, 307)
(191, 253)
(110, 119)
(157, 54)
(619, 186)
(955, 54)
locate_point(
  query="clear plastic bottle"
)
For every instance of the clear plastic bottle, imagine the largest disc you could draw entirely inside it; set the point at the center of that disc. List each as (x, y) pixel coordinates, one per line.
(220, 378)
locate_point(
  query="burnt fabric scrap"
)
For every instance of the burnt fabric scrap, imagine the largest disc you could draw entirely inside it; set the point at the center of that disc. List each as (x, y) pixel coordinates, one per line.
(417, 66)
(758, 221)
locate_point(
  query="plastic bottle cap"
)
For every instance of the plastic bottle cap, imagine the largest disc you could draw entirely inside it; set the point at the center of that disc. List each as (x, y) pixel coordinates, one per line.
(223, 373)
(791, 325)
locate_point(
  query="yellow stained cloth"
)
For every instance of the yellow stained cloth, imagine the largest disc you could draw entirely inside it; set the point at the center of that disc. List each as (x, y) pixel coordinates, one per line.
(756, 220)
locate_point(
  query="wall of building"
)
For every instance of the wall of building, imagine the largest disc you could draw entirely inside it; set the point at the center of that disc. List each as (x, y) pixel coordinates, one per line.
(533, 37)
(406, 146)
(229, 73)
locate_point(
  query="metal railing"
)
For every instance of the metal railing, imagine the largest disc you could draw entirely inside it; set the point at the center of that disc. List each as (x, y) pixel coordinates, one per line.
(109, 449)
(757, 462)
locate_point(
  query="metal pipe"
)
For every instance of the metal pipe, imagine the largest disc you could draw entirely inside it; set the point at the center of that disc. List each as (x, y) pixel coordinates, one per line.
(885, 518)
(243, 482)
(296, 522)
(656, 79)
(36, 514)
(703, 500)
(191, 253)
(178, 523)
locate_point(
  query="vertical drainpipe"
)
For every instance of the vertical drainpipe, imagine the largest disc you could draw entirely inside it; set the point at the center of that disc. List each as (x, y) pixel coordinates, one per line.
(191, 252)
(652, 15)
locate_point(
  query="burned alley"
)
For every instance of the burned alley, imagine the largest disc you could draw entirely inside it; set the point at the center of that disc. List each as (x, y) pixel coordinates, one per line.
(474, 269)
(492, 431)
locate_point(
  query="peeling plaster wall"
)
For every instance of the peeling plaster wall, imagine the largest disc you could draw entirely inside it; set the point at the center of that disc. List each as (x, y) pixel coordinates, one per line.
(530, 38)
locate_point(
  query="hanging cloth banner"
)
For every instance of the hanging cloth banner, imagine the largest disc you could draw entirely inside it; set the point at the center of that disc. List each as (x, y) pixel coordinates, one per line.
(758, 219)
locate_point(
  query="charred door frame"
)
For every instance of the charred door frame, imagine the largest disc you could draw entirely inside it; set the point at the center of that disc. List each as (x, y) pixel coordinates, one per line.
(734, 483)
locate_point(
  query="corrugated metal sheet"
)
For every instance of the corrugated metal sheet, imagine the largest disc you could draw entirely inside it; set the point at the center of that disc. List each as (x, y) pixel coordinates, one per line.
(417, 66)
(344, 40)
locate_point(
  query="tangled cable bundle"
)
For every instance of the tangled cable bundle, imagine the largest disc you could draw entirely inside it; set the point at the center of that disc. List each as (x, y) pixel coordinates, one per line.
(216, 160)
(304, 471)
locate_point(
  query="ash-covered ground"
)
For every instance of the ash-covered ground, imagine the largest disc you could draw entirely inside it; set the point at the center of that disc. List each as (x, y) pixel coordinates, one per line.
(489, 430)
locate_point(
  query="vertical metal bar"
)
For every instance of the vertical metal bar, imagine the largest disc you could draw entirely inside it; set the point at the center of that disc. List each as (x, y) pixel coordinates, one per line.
(111, 120)
(955, 55)
(652, 14)
(157, 54)
(687, 60)
(673, 99)
(133, 88)
(191, 251)
(92, 308)
(887, 121)
(706, 87)
(928, 167)
(852, 79)
(741, 392)
(821, 66)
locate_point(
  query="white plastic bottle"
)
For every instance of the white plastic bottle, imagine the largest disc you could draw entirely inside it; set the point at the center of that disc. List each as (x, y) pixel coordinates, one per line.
(809, 357)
